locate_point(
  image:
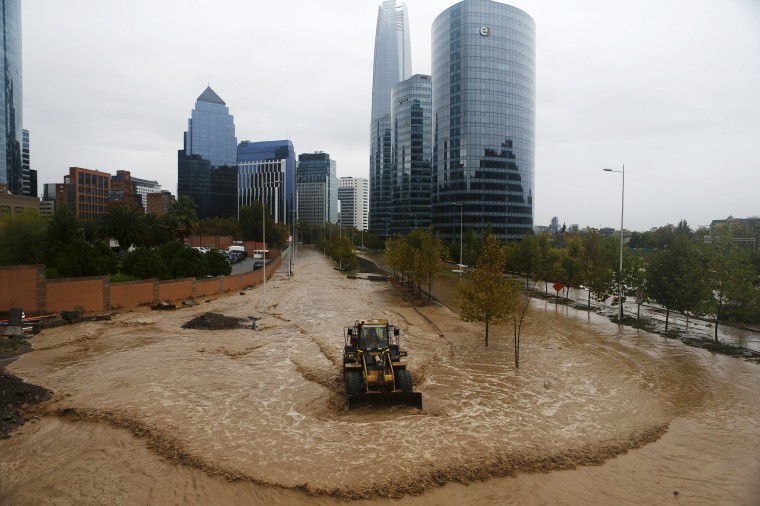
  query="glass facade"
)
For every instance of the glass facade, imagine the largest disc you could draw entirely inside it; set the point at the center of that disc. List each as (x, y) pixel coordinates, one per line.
(484, 89)
(210, 142)
(264, 181)
(392, 64)
(248, 151)
(412, 145)
(11, 171)
(211, 131)
(317, 182)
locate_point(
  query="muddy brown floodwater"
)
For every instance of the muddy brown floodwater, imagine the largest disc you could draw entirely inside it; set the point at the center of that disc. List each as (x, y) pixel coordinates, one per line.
(146, 412)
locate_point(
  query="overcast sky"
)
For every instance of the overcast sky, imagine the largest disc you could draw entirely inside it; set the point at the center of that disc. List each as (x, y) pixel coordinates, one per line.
(668, 88)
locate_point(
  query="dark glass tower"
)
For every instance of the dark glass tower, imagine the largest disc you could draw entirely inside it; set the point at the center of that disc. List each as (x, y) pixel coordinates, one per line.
(11, 171)
(210, 143)
(412, 142)
(393, 63)
(261, 151)
(484, 95)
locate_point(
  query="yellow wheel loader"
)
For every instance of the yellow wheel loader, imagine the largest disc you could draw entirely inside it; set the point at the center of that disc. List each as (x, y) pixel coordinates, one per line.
(373, 369)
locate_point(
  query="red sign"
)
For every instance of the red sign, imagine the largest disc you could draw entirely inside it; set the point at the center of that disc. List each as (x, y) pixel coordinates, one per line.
(558, 286)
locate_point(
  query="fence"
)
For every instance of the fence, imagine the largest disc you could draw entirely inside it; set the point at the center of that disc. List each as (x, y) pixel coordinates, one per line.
(26, 287)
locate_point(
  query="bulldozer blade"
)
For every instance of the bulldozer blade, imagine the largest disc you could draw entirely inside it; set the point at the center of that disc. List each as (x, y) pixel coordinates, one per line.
(413, 399)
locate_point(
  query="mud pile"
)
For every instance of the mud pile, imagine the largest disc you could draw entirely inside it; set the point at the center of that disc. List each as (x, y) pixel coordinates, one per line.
(214, 321)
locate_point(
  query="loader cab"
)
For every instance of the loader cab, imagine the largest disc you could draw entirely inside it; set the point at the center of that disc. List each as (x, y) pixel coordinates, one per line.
(373, 337)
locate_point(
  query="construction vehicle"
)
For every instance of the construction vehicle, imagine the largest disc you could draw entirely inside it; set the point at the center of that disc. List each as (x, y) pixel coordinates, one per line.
(373, 369)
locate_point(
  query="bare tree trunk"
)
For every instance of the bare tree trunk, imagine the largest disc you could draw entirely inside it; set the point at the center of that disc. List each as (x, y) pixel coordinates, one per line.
(667, 318)
(486, 333)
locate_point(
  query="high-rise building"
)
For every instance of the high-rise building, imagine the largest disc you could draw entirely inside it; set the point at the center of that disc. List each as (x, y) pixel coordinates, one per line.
(85, 192)
(484, 95)
(264, 181)
(209, 143)
(412, 144)
(353, 194)
(29, 175)
(260, 151)
(11, 120)
(393, 63)
(317, 188)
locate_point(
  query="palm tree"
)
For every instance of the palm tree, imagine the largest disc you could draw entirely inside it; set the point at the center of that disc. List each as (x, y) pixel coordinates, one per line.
(126, 224)
(185, 215)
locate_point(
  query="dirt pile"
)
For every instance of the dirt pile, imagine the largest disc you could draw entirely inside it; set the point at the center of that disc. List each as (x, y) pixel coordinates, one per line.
(15, 396)
(214, 321)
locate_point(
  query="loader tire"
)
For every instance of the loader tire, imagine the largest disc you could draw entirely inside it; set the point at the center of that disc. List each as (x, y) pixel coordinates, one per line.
(404, 378)
(354, 383)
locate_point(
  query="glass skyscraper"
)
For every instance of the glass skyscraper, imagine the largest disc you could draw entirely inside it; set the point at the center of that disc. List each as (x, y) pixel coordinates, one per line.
(412, 143)
(210, 143)
(260, 151)
(393, 64)
(11, 171)
(484, 94)
(317, 188)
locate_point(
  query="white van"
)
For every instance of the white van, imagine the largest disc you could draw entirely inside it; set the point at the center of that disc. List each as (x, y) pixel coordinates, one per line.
(237, 249)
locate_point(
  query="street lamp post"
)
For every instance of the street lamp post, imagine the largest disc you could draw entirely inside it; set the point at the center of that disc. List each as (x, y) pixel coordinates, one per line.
(620, 273)
(461, 237)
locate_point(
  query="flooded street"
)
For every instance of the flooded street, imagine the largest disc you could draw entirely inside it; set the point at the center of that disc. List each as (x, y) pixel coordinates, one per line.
(146, 412)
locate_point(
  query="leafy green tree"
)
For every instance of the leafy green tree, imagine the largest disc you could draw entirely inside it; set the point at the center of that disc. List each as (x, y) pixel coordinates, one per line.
(63, 229)
(125, 224)
(486, 295)
(145, 263)
(598, 275)
(429, 259)
(80, 259)
(215, 264)
(22, 239)
(730, 276)
(181, 261)
(675, 278)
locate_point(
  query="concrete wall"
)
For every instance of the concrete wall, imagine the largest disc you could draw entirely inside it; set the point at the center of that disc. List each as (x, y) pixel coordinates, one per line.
(26, 287)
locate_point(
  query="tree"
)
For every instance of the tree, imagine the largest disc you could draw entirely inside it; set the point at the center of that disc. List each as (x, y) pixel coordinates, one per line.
(145, 263)
(127, 225)
(22, 239)
(63, 229)
(486, 295)
(184, 217)
(730, 276)
(429, 259)
(597, 275)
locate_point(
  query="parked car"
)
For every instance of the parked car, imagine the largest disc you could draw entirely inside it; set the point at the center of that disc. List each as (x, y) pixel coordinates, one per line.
(258, 264)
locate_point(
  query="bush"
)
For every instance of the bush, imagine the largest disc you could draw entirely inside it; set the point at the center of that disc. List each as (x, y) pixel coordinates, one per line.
(145, 263)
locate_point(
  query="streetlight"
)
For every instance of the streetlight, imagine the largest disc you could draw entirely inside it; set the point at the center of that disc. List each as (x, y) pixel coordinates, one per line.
(620, 274)
(461, 237)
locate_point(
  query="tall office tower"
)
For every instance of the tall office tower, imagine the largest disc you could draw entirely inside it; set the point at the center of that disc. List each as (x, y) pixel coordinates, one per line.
(412, 142)
(11, 170)
(317, 188)
(264, 181)
(353, 194)
(29, 176)
(484, 96)
(393, 64)
(209, 143)
(260, 151)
